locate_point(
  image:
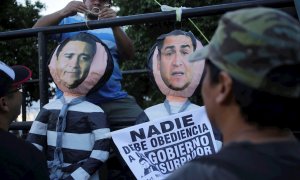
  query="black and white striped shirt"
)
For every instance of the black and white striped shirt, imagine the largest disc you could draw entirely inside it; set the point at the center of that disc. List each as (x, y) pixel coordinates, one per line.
(85, 145)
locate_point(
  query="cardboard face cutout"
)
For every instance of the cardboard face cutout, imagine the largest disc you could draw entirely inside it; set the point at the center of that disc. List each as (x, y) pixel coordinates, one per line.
(171, 71)
(81, 64)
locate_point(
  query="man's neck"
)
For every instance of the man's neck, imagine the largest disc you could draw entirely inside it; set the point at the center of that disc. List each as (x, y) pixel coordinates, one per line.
(4, 124)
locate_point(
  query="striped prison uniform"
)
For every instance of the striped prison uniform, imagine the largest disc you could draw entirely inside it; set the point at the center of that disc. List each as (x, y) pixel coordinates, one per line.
(85, 146)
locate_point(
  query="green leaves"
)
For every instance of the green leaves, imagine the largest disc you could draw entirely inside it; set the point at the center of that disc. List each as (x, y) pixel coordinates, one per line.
(15, 16)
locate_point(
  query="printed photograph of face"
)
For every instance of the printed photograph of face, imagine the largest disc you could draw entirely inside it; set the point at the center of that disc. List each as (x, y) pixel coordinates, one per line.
(74, 60)
(176, 71)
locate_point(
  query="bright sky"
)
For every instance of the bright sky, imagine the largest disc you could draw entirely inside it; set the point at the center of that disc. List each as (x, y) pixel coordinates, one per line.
(51, 5)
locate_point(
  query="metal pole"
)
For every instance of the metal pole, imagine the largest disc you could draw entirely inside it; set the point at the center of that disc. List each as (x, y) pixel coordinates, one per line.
(23, 103)
(43, 83)
(147, 18)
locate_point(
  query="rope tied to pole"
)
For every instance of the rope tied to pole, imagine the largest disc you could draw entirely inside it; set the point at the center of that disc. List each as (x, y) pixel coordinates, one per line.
(178, 16)
(95, 11)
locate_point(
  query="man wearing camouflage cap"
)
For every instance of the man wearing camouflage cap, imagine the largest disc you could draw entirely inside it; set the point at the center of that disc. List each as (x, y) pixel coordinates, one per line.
(251, 91)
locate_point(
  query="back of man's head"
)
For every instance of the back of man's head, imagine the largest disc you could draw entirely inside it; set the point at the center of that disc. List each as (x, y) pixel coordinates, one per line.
(251, 43)
(259, 49)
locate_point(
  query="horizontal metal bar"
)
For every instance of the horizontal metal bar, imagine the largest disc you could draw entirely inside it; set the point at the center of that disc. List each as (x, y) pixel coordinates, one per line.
(127, 72)
(135, 71)
(20, 125)
(146, 18)
(115, 124)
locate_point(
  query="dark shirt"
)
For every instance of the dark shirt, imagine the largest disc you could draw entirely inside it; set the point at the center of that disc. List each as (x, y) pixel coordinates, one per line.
(20, 159)
(265, 161)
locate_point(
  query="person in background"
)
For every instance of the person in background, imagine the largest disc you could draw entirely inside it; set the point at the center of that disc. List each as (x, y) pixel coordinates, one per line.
(115, 102)
(251, 91)
(18, 158)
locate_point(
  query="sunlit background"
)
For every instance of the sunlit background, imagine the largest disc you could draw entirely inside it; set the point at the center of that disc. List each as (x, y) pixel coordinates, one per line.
(51, 5)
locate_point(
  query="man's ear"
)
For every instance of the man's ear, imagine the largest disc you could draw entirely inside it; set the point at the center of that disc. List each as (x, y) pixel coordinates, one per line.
(224, 88)
(3, 104)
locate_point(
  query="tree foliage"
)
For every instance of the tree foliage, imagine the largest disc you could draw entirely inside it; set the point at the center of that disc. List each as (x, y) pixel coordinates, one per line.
(14, 16)
(144, 36)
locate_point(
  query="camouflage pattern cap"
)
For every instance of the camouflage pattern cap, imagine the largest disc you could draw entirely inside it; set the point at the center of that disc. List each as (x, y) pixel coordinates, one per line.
(249, 43)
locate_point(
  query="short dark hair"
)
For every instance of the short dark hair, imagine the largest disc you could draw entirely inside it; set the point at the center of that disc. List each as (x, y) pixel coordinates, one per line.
(261, 108)
(84, 37)
(160, 39)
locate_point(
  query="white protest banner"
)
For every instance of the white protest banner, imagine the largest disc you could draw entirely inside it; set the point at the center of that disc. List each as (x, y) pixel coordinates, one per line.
(155, 149)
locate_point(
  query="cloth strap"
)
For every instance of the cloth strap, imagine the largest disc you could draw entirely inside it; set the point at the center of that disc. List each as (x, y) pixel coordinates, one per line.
(177, 9)
(178, 16)
(57, 162)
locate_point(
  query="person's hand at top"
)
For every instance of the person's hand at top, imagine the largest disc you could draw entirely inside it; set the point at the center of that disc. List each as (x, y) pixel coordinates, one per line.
(107, 12)
(99, 9)
(73, 7)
